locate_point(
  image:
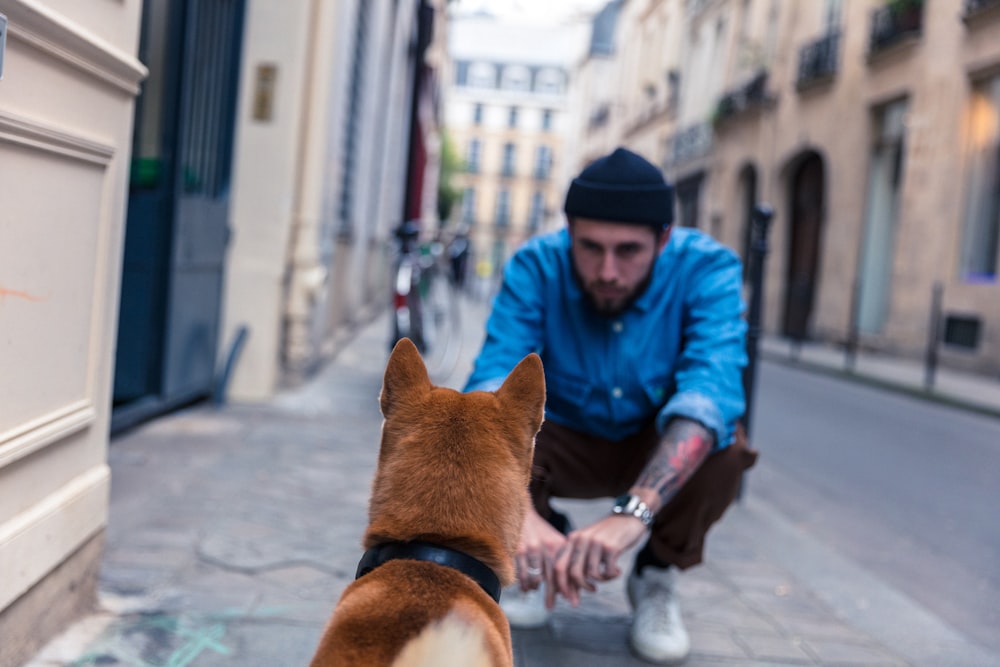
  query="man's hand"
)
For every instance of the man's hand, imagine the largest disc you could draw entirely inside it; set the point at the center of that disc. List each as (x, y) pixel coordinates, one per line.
(590, 555)
(536, 554)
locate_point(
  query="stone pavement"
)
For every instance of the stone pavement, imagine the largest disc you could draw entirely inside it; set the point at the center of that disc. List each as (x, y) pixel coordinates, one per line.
(233, 531)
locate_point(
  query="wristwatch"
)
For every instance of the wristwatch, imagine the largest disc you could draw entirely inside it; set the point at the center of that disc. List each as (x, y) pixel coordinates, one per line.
(629, 505)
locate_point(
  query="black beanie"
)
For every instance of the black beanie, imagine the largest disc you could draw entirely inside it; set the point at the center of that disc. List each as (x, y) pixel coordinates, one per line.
(621, 187)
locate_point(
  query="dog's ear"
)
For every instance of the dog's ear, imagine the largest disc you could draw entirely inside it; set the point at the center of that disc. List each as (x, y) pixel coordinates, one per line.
(523, 394)
(405, 374)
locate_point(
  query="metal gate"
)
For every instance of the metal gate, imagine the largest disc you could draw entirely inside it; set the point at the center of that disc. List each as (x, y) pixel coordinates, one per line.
(177, 226)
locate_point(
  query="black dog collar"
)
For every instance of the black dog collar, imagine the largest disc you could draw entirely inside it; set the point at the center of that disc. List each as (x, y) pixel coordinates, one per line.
(432, 553)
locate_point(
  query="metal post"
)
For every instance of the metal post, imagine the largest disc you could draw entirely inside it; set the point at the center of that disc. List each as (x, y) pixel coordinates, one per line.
(853, 333)
(933, 333)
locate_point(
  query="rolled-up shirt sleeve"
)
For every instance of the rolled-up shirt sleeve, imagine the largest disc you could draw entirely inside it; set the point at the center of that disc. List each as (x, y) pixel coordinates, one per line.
(709, 370)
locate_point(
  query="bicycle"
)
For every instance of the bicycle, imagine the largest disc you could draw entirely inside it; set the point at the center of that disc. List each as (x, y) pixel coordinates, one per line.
(425, 301)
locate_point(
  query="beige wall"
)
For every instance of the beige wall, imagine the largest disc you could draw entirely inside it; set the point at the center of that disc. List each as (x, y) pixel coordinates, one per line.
(299, 275)
(66, 100)
(265, 191)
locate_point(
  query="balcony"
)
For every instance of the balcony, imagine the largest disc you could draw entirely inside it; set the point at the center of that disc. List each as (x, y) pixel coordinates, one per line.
(975, 10)
(600, 116)
(688, 145)
(818, 61)
(749, 97)
(897, 22)
(650, 111)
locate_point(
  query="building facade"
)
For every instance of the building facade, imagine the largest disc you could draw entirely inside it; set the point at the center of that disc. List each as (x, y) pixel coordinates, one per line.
(869, 126)
(198, 201)
(70, 79)
(508, 117)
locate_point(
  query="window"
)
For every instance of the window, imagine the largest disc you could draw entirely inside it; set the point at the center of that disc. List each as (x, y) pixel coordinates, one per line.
(503, 208)
(547, 120)
(461, 73)
(509, 154)
(543, 162)
(472, 155)
(515, 77)
(886, 168)
(469, 206)
(549, 80)
(981, 226)
(537, 211)
(477, 114)
(832, 18)
(512, 117)
(482, 75)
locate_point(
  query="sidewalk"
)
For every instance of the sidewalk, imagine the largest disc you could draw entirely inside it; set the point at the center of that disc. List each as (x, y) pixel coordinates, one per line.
(974, 392)
(233, 531)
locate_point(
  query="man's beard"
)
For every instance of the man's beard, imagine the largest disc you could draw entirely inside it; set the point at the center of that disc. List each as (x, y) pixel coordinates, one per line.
(605, 308)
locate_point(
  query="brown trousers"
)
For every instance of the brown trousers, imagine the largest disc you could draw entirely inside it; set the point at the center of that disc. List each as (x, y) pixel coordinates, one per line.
(570, 464)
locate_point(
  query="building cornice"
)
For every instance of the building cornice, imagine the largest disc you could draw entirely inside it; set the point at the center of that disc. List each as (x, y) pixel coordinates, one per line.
(49, 32)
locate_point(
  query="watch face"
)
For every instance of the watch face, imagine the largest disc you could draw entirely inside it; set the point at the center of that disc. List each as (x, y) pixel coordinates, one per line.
(622, 501)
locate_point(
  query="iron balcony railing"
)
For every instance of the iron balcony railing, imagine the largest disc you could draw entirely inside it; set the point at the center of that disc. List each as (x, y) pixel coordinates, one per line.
(975, 6)
(599, 117)
(689, 144)
(896, 22)
(818, 60)
(752, 95)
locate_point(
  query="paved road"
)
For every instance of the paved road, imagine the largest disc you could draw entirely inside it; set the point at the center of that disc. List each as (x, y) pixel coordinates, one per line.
(904, 488)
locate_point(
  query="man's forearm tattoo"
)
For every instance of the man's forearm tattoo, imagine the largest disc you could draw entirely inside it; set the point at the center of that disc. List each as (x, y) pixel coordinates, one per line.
(683, 447)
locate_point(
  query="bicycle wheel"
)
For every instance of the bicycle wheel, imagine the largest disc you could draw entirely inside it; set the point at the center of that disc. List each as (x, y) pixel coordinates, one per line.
(406, 304)
(440, 323)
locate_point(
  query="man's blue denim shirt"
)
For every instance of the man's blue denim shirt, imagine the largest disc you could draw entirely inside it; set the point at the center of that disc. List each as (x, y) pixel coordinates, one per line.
(678, 351)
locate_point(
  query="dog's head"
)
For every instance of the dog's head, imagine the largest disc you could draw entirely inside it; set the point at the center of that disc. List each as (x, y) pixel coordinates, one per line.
(454, 467)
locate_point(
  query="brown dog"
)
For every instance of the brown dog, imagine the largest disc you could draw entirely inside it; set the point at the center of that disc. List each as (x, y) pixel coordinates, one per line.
(447, 506)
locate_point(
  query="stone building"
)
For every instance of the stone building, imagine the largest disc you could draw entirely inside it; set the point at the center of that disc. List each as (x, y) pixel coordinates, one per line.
(870, 126)
(174, 173)
(507, 115)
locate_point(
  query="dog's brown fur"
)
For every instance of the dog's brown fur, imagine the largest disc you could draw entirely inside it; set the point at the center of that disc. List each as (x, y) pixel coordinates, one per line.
(453, 470)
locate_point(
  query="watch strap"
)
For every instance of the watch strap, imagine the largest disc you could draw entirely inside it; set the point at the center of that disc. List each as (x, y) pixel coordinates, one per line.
(632, 505)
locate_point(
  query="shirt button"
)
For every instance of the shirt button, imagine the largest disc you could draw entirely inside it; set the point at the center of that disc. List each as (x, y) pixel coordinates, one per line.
(617, 327)
(617, 392)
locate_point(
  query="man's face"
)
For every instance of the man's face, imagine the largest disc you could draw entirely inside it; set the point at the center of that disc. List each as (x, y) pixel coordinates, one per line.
(614, 261)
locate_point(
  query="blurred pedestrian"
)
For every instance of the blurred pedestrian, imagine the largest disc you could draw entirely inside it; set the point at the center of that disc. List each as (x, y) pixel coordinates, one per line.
(458, 257)
(640, 330)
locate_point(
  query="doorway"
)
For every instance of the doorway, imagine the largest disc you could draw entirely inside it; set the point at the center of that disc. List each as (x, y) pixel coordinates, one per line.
(885, 176)
(177, 220)
(806, 195)
(747, 188)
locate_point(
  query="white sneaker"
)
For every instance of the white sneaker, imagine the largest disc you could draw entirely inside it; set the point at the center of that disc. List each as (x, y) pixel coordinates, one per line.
(524, 609)
(658, 633)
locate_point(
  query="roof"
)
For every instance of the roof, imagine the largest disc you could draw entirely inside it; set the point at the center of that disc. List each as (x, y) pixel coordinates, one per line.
(483, 37)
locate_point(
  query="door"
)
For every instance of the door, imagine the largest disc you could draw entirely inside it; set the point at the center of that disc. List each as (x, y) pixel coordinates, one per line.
(177, 226)
(885, 175)
(748, 201)
(803, 251)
